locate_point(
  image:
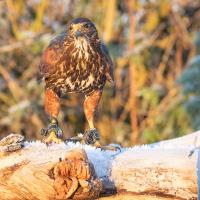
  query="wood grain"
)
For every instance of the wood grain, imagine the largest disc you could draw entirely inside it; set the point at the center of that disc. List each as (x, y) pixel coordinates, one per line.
(137, 173)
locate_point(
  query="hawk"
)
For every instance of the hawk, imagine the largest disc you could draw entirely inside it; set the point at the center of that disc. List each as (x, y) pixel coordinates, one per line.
(76, 61)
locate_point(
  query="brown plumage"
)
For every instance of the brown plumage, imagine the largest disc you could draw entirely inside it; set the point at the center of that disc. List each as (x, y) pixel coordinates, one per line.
(76, 61)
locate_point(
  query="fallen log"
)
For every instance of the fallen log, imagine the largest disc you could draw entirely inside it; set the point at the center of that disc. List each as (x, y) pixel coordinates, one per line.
(157, 171)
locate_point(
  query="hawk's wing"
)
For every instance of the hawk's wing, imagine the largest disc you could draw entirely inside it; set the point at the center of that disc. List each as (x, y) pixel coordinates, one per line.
(109, 63)
(50, 57)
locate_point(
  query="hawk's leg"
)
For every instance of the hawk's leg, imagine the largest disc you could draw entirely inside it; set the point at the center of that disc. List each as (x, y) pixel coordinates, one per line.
(92, 135)
(53, 132)
(90, 105)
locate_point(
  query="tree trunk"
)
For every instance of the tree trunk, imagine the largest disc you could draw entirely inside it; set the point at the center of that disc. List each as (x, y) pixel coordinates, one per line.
(158, 171)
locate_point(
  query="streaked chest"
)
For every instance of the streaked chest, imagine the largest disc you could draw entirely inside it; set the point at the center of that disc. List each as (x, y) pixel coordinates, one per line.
(82, 68)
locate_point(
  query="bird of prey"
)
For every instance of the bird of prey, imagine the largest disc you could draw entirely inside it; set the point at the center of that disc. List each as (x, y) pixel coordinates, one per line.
(76, 61)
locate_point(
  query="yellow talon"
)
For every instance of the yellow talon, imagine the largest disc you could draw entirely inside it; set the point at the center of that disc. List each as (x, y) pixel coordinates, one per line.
(52, 138)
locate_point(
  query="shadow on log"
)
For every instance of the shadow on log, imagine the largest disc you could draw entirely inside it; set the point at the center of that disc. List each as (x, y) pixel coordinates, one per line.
(158, 171)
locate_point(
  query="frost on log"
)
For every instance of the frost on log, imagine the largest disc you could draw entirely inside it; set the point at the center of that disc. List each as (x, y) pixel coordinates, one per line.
(158, 171)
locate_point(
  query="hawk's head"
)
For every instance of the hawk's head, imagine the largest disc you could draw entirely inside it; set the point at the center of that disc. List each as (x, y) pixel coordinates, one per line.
(82, 28)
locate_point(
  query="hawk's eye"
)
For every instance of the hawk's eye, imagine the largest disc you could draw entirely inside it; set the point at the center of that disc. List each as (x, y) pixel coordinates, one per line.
(70, 28)
(86, 25)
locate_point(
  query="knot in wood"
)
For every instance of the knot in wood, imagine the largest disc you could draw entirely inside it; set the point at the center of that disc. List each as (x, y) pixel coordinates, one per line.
(75, 177)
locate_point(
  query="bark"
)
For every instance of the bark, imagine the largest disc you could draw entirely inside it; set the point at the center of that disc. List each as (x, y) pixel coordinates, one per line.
(159, 171)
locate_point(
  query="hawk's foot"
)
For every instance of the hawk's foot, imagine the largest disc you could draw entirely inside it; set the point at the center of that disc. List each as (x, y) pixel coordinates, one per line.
(52, 133)
(92, 137)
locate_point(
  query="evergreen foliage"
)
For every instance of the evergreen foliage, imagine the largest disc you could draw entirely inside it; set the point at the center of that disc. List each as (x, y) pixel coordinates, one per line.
(190, 80)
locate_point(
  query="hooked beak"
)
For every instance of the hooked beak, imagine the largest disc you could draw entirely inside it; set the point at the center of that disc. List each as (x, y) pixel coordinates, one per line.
(78, 34)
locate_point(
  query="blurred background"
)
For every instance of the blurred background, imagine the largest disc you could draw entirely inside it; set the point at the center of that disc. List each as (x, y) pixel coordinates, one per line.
(155, 46)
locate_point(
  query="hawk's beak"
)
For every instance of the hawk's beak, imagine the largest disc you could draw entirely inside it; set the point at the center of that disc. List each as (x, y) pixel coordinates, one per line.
(78, 34)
